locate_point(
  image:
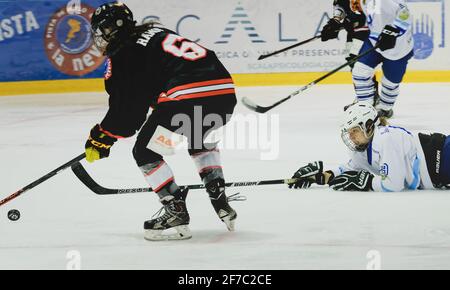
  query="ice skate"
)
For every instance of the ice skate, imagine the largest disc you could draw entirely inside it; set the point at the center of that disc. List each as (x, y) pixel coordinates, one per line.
(175, 217)
(386, 113)
(216, 191)
(384, 110)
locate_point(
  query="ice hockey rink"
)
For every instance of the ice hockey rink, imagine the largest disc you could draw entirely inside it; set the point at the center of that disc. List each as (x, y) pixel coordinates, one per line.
(277, 228)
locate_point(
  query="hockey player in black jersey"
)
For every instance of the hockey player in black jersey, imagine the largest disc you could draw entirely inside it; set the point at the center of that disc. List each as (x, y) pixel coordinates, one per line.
(151, 66)
(353, 23)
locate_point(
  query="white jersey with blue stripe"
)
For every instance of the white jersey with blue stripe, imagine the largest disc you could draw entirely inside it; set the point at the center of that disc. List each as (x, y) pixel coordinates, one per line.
(395, 13)
(396, 159)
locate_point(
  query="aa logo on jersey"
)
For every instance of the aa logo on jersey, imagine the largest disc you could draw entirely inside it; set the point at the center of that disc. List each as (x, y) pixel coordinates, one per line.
(166, 141)
(68, 42)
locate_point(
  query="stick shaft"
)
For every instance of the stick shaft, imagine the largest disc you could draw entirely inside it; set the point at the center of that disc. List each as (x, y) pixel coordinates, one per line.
(289, 47)
(42, 179)
(261, 109)
(87, 180)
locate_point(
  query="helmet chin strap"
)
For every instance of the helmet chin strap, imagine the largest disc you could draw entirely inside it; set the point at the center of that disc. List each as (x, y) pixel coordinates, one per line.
(372, 129)
(369, 136)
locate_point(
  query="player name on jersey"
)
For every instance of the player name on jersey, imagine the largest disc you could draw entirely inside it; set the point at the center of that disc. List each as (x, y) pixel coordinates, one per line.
(146, 36)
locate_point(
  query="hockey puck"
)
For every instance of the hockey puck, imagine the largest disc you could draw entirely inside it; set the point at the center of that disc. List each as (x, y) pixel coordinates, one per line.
(14, 215)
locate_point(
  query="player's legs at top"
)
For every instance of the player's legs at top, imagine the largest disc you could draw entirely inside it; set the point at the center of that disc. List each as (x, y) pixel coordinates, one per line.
(363, 73)
(394, 71)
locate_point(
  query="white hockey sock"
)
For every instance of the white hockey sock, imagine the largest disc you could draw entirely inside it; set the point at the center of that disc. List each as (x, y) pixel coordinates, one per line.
(363, 81)
(158, 174)
(389, 94)
(208, 164)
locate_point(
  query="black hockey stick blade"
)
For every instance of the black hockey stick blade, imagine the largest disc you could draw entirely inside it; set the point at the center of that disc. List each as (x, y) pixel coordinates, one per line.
(261, 109)
(253, 106)
(90, 183)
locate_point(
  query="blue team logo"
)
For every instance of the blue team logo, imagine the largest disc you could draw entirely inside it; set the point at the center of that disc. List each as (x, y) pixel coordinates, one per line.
(384, 171)
(68, 42)
(73, 34)
(423, 31)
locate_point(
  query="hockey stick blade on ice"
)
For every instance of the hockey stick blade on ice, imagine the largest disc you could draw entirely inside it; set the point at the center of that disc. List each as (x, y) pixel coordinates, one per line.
(87, 180)
(90, 183)
(42, 179)
(261, 109)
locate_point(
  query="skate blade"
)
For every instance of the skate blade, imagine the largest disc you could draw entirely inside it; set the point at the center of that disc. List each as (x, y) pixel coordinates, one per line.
(183, 233)
(228, 219)
(229, 223)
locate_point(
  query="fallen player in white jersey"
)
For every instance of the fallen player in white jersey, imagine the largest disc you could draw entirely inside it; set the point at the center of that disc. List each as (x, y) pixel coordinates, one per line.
(383, 158)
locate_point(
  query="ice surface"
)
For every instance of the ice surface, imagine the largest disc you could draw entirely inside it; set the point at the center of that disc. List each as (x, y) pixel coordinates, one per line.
(276, 229)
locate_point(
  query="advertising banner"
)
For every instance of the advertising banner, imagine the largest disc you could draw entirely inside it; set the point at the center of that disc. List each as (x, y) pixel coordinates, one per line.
(46, 40)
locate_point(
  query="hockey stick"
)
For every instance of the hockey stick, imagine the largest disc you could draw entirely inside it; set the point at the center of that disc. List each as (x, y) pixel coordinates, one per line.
(87, 180)
(292, 46)
(261, 109)
(289, 47)
(42, 179)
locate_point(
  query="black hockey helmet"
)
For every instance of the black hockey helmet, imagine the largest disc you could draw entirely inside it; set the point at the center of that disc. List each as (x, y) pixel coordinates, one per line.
(112, 25)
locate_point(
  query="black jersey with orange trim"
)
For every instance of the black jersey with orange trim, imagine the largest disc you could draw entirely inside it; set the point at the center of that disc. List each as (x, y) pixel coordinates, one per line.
(354, 23)
(159, 66)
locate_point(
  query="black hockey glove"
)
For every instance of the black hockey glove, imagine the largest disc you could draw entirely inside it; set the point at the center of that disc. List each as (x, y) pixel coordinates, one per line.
(331, 30)
(353, 181)
(98, 144)
(388, 37)
(349, 58)
(308, 175)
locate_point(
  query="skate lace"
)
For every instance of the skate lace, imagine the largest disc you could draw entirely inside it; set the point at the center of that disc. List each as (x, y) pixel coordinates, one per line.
(159, 216)
(236, 197)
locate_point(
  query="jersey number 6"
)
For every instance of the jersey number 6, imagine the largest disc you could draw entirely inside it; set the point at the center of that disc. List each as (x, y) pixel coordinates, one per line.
(181, 47)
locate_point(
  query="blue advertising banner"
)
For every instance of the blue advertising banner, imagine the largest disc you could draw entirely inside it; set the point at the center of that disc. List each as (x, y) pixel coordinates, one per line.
(47, 40)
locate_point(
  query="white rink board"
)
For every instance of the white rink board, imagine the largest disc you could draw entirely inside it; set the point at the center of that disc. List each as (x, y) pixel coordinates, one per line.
(257, 26)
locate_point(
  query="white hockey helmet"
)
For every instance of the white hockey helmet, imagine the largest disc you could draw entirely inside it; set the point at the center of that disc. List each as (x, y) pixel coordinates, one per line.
(359, 115)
